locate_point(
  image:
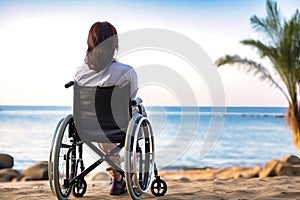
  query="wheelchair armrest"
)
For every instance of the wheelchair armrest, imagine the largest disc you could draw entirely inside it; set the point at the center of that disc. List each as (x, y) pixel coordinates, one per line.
(136, 101)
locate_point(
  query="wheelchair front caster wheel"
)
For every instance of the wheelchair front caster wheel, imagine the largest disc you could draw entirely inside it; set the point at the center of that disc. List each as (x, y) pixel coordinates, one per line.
(79, 188)
(159, 187)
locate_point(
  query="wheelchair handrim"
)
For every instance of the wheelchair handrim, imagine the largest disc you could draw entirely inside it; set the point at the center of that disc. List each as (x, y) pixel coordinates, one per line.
(132, 131)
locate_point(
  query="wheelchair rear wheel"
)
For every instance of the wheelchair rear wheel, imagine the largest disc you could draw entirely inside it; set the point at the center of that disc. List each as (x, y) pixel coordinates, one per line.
(139, 156)
(62, 166)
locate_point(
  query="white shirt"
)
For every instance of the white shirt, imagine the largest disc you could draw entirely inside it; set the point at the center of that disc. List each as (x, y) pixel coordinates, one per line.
(114, 74)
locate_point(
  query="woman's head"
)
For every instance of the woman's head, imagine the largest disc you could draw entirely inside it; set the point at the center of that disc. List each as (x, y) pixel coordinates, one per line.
(102, 43)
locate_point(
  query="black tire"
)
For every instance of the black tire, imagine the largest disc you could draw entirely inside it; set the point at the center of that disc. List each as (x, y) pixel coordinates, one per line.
(159, 187)
(51, 161)
(58, 159)
(80, 188)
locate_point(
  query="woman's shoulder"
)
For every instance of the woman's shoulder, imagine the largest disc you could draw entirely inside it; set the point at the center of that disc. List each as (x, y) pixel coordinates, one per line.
(120, 65)
(82, 68)
(83, 71)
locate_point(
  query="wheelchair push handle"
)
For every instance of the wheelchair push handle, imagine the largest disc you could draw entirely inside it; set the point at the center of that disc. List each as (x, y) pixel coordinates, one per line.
(69, 84)
(136, 101)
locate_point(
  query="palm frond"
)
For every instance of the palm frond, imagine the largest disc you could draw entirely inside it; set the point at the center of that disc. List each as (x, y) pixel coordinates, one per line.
(251, 66)
(271, 25)
(273, 17)
(288, 59)
(263, 50)
(289, 54)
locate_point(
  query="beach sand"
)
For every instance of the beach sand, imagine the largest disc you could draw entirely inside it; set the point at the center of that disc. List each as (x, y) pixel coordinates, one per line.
(181, 185)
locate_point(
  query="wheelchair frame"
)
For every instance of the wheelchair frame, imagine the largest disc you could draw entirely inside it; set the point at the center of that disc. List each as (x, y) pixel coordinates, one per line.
(139, 159)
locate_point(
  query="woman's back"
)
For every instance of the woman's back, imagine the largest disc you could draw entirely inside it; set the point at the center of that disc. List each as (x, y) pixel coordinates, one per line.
(114, 74)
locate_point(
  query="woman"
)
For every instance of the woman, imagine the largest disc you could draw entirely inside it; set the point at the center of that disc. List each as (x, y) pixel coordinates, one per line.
(102, 69)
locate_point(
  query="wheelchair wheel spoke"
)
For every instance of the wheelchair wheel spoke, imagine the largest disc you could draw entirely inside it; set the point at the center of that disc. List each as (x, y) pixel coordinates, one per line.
(66, 146)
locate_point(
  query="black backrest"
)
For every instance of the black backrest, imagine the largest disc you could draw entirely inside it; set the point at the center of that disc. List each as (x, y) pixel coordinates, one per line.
(102, 113)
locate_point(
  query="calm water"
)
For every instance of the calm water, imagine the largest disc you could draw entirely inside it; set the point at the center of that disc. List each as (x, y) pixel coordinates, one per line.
(185, 137)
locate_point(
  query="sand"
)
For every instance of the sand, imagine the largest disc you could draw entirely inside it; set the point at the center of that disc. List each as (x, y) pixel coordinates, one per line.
(181, 185)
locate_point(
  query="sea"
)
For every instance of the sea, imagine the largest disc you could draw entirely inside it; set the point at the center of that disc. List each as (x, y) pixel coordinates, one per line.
(185, 137)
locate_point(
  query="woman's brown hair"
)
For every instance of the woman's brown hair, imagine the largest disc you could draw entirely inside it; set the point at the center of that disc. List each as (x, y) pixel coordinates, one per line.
(102, 43)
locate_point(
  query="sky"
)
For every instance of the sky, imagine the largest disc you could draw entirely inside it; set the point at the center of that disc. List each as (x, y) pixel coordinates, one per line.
(43, 42)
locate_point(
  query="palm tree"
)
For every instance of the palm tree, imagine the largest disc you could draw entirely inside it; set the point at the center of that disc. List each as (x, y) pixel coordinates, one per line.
(281, 48)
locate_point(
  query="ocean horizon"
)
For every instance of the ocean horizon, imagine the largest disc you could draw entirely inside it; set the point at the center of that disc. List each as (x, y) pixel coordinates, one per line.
(246, 136)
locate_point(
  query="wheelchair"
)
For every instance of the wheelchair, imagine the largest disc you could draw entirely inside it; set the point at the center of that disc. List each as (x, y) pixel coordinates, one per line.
(104, 114)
